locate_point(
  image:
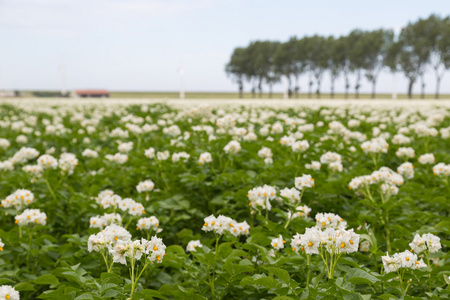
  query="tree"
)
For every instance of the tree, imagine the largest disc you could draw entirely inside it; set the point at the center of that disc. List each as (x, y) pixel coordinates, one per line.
(284, 61)
(437, 34)
(236, 68)
(444, 49)
(337, 60)
(414, 53)
(375, 45)
(356, 56)
(317, 56)
(261, 56)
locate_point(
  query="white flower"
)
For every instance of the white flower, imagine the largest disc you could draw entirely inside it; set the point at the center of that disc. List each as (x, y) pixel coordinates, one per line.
(406, 170)
(314, 165)
(7, 292)
(18, 199)
(405, 258)
(442, 170)
(427, 158)
(150, 152)
(261, 196)
(89, 153)
(292, 194)
(204, 158)
(433, 242)
(278, 243)
(155, 248)
(47, 161)
(192, 245)
(418, 244)
(390, 264)
(68, 162)
(375, 145)
(117, 158)
(150, 223)
(265, 152)
(232, 147)
(4, 143)
(164, 155)
(305, 181)
(145, 186)
(1, 245)
(31, 216)
(125, 147)
(406, 152)
(330, 157)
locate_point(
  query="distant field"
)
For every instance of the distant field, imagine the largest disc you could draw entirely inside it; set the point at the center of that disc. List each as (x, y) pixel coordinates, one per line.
(211, 95)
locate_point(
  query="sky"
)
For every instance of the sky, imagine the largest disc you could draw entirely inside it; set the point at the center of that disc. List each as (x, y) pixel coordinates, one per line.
(138, 45)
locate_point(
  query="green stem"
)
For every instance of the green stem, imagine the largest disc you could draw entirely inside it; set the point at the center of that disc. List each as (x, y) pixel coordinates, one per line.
(308, 263)
(50, 188)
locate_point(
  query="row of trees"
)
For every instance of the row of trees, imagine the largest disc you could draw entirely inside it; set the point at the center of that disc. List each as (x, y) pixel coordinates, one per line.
(421, 45)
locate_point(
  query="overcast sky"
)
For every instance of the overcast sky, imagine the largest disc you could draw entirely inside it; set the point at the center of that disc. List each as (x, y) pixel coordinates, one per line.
(138, 45)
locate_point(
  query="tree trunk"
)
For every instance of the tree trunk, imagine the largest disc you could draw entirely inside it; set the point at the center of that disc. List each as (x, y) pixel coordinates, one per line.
(241, 88)
(347, 86)
(410, 87)
(289, 86)
(422, 91)
(270, 90)
(260, 88)
(358, 78)
(297, 88)
(318, 89)
(438, 83)
(374, 83)
(332, 88)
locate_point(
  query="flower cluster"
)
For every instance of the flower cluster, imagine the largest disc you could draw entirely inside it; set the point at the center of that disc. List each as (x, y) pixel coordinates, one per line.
(427, 242)
(405, 152)
(105, 220)
(108, 199)
(67, 163)
(31, 216)
(107, 238)
(223, 224)
(150, 223)
(383, 176)
(406, 170)
(334, 241)
(118, 158)
(330, 220)
(133, 250)
(375, 145)
(442, 170)
(232, 147)
(305, 181)
(145, 186)
(427, 158)
(192, 245)
(261, 196)
(204, 158)
(18, 199)
(404, 259)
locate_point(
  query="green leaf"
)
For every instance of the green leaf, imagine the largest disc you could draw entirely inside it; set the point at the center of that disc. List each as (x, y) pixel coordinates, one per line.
(46, 279)
(24, 286)
(85, 296)
(265, 281)
(358, 276)
(280, 273)
(152, 293)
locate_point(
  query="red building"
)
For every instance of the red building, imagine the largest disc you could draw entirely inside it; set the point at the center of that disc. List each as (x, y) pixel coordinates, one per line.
(90, 94)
